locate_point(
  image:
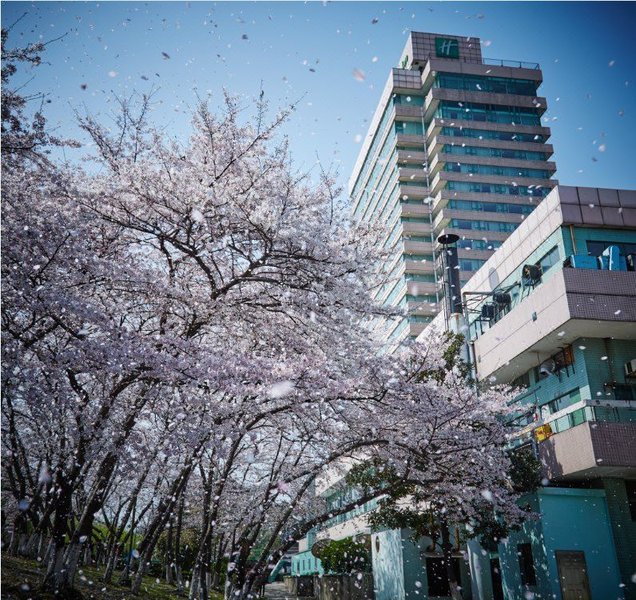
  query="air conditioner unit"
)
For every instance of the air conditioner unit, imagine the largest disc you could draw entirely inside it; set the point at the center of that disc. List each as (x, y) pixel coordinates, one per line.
(547, 368)
(488, 311)
(630, 369)
(502, 298)
(580, 261)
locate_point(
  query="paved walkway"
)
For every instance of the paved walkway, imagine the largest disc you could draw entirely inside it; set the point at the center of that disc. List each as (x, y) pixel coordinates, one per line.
(278, 591)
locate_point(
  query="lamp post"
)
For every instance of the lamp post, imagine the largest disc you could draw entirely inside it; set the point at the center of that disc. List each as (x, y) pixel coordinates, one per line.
(450, 276)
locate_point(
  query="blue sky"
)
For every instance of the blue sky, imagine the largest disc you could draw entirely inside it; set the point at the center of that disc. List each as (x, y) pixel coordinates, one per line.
(308, 51)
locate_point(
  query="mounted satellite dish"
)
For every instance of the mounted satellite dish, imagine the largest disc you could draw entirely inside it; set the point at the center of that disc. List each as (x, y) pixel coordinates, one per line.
(547, 368)
(493, 278)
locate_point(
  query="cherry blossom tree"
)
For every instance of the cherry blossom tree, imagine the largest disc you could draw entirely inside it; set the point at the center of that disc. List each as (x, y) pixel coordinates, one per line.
(451, 465)
(183, 339)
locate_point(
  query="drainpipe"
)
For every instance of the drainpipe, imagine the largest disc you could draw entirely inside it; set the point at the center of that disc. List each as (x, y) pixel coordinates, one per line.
(610, 365)
(573, 239)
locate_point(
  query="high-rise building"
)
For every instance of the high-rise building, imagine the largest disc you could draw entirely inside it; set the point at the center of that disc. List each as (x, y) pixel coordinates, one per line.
(455, 146)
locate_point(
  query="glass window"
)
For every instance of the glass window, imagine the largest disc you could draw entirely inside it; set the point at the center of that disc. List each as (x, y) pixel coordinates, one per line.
(409, 127)
(483, 225)
(493, 170)
(597, 248)
(493, 152)
(564, 400)
(550, 259)
(484, 244)
(478, 83)
(522, 380)
(408, 99)
(470, 264)
(421, 298)
(419, 277)
(624, 391)
(483, 134)
(498, 188)
(419, 257)
(491, 206)
(493, 113)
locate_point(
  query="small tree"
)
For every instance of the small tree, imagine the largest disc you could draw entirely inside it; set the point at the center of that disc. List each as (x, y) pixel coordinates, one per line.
(346, 556)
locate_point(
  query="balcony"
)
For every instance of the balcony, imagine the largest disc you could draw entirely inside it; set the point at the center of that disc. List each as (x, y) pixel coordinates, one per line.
(602, 445)
(436, 144)
(591, 438)
(414, 157)
(437, 123)
(440, 180)
(437, 94)
(412, 174)
(573, 303)
(441, 158)
(486, 66)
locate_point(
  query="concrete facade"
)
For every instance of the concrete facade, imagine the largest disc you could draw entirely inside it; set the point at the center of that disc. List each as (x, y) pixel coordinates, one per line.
(568, 337)
(455, 146)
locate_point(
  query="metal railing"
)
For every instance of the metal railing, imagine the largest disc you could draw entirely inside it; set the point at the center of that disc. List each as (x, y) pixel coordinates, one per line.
(611, 411)
(498, 62)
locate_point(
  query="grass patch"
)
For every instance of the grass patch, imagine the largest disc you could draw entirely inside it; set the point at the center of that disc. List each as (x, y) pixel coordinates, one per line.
(21, 581)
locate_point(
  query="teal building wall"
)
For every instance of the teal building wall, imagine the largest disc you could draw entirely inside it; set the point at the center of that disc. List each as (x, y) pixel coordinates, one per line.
(571, 519)
(305, 563)
(388, 565)
(399, 567)
(624, 531)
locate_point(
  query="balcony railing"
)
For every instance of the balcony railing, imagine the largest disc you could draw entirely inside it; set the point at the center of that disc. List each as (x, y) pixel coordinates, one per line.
(613, 411)
(360, 510)
(497, 62)
(484, 311)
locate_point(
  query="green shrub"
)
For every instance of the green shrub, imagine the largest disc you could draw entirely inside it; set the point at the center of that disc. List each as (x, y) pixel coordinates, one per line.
(343, 557)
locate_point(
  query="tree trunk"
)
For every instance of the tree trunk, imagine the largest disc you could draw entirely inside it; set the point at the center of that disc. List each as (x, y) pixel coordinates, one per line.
(33, 545)
(178, 574)
(178, 570)
(198, 584)
(155, 528)
(111, 561)
(447, 550)
(71, 560)
(168, 557)
(18, 530)
(124, 576)
(217, 563)
(58, 578)
(49, 549)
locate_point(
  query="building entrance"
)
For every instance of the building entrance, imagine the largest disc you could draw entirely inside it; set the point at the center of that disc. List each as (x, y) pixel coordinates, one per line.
(573, 575)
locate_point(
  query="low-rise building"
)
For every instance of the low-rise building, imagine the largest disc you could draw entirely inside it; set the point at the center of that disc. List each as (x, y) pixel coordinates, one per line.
(554, 311)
